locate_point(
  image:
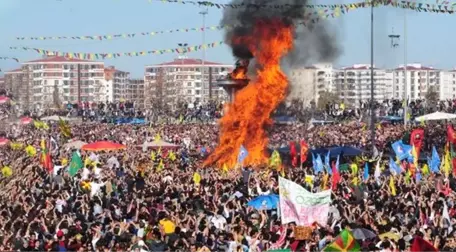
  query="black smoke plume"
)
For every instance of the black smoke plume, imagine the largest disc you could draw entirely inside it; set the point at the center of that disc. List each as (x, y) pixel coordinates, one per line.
(313, 42)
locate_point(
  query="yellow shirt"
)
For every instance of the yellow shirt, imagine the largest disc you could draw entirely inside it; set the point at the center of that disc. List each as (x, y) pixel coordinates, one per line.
(168, 226)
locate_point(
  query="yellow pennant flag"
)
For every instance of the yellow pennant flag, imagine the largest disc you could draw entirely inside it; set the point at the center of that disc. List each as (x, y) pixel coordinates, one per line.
(157, 137)
(447, 162)
(408, 175)
(309, 180)
(354, 168)
(16, 145)
(30, 150)
(160, 166)
(225, 168)
(196, 178)
(6, 171)
(392, 186)
(355, 181)
(274, 160)
(325, 181)
(171, 156)
(425, 170)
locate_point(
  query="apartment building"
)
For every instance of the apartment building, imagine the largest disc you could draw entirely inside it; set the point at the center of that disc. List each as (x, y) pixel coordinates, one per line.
(115, 84)
(306, 83)
(53, 81)
(419, 80)
(184, 80)
(17, 82)
(135, 92)
(2, 83)
(448, 87)
(353, 84)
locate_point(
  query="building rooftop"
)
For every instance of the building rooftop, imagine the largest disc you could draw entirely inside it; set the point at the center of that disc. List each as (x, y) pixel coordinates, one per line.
(359, 67)
(192, 62)
(412, 67)
(18, 70)
(59, 59)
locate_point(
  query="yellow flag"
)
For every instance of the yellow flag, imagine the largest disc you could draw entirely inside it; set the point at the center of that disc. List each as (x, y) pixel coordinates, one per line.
(16, 145)
(30, 150)
(447, 162)
(325, 181)
(160, 166)
(157, 137)
(408, 175)
(196, 178)
(64, 161)
(87, 162)
(274, 160)
(355, 181)
(6, 171)
(309, 180)
(392, 186)
(422, 123)
(225, 168)
(415, 157)
(181, 118)
(171, 156)
(152, 155)
(425, 170)
(354, 168)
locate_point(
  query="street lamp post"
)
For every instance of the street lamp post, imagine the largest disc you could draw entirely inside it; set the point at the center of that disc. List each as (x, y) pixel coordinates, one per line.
(203, 13)
(405, 69)
(372, 126)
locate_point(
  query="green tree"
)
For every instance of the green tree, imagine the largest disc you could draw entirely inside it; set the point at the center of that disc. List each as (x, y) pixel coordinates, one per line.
(326, 97)
(432, 96)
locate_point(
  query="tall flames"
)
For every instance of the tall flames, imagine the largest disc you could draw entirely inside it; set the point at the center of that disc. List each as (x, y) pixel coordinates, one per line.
(244, 123)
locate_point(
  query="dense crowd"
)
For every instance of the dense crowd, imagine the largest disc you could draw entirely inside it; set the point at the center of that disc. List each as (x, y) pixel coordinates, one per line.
(127, 200)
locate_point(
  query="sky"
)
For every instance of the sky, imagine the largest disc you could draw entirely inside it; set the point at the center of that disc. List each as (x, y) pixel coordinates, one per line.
(430, 37)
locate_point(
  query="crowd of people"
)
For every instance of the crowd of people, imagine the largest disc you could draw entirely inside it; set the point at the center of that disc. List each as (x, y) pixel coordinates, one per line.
(141, 199)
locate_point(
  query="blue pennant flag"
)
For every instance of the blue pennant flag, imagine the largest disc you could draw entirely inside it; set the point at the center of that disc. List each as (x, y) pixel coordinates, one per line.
(327, 165)
(319, 164)
(394, 168)
(314, 164)
(403, 151)
(366, 172)
(435, 161)
(243, 153)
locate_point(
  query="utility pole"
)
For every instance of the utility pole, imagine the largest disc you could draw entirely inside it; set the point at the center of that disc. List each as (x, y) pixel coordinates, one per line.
(372, 126)
(405, 69)
(203, 13)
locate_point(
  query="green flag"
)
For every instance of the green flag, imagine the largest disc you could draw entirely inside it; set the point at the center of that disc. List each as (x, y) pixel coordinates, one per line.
(75, 165)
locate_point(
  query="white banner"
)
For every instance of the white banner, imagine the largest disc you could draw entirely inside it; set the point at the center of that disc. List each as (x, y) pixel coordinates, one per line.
(301, 206)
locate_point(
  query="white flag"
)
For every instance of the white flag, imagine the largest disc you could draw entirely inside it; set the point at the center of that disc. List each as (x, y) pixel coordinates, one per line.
(446, 216)
(301, 206)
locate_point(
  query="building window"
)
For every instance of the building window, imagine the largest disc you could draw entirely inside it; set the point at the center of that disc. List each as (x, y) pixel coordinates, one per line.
(189, 91)
(189, 84)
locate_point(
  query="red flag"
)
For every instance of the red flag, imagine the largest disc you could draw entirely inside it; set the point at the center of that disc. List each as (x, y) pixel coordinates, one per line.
(45, 159)
(294, 157)
(335, 176)
(450, 134)
(419, 244)
(304, 151)
(416, 139)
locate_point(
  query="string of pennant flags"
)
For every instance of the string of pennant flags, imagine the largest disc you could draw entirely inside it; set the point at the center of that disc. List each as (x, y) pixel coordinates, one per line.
(316, 13)
(97, 56)
(443, 7)
(9, 58)
(310, 17)
(365, 3)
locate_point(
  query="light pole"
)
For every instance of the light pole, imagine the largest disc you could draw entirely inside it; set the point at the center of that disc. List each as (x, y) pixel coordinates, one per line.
(405, 69)
(372, 126)
(203, 13)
